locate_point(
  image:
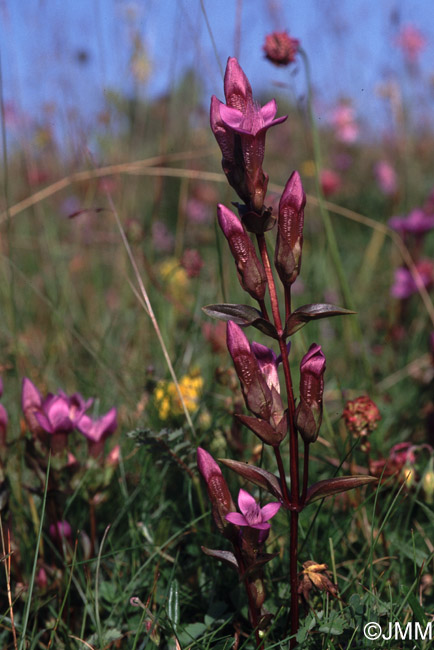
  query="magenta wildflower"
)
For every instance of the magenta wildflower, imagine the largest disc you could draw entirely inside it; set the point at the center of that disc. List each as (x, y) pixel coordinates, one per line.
(60, 413)
(280, 48)
(418, 222)
(404, 284)
(3, 425)
(343, 120)
(61, 531)
(330, 182)
(239, 127)
(252, 515)
(99, 429)
(386, 177)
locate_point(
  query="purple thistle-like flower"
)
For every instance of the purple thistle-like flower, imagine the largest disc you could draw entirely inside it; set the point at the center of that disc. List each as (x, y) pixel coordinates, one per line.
(252, 515)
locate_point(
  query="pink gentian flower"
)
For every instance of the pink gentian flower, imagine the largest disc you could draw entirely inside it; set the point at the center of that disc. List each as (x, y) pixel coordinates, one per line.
(239, 127)
(60, 413)
(99, 429)
(252, 515)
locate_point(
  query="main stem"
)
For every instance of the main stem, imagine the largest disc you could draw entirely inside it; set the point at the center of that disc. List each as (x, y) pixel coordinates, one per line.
(293, 438)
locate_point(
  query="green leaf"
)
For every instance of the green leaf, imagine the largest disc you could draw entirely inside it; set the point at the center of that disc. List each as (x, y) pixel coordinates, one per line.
(242, 315)
(191, 632)
(417, 608)
(173, 604)
(255, 475)
(331, 486)
(306, 313)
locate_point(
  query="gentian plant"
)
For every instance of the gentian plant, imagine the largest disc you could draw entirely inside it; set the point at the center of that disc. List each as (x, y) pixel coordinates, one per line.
(240, 128)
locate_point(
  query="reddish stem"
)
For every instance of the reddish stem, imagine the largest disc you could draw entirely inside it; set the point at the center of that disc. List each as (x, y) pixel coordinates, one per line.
(270, 280)
(293, 437)
(253, 610)
(286, 495)
(305, 472)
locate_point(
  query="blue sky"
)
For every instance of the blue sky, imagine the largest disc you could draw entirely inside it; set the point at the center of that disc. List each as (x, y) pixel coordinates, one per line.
(350, 44)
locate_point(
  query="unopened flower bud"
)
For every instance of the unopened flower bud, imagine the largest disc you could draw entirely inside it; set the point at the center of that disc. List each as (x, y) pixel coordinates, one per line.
(250, 270)
(287, 258)
(308, 415)
(257, 394)
(218, 491)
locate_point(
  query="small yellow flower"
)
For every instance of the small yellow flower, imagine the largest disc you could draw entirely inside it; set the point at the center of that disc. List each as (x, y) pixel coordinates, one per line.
(168, 401)
(174, 276)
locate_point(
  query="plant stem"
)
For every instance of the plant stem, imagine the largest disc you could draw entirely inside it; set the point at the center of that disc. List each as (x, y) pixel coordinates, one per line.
(294, 504)
(305, 472)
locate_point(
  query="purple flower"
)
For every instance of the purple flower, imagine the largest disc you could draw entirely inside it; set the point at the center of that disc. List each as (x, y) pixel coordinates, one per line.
(239, 127)
(386, 177)
(98, 430)
(3, 425)
(416, 223)
(405, 285)
(60, 413)
(252, 515)
(61, 531)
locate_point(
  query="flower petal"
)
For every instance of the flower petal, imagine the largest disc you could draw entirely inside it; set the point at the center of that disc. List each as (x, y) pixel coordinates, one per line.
(30, 396)
(269, 111)
(270, 510)
(263, 526)
(245, 501)
(231, 117)
(236, 518)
